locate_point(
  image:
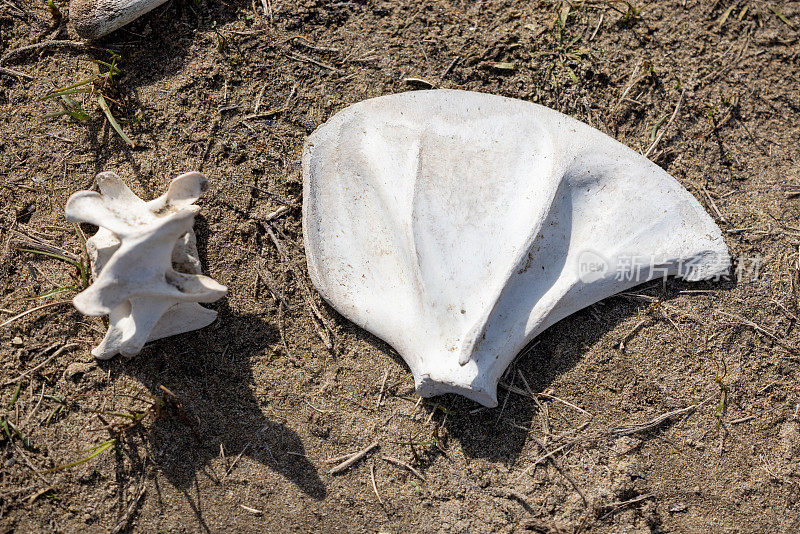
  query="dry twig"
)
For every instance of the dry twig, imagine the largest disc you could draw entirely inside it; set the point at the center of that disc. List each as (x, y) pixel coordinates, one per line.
(48, 360)
(665, 128)
(353, 458)
(401, 463)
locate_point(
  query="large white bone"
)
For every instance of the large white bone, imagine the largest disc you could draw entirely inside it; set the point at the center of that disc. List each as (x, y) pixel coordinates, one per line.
(133, 255)
(95, 18)
(458, 226)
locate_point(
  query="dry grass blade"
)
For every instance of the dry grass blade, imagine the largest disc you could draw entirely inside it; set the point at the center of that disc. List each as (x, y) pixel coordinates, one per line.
(401, 463)
(518, 391)
(300, 57)
(757, 328)
(41, 46)
(616, 506)
(665, 128)
(627, 430)
(15, 73)
(37, 308)
(558, 468)
(324, 330)
(383, 388)
(126, 517)
(48, 360)
(19, 236)
(374, 485)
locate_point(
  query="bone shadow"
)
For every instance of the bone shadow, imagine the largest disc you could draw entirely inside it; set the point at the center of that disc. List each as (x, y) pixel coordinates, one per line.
(210, 373)
(491, 433)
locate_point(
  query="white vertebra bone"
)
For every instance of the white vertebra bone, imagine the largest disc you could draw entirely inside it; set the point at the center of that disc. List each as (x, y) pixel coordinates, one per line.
(95, 18)
(132, 256)
(458, 226)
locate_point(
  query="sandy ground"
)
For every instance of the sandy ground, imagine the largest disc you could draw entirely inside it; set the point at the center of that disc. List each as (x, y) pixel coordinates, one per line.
(671, 409)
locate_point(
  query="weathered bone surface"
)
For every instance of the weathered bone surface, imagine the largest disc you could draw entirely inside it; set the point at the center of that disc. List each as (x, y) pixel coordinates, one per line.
(95, 18)
(134, 256)
(458, 226)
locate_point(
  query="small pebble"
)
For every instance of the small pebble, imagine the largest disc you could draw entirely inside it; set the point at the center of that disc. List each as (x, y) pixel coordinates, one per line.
(677, 507)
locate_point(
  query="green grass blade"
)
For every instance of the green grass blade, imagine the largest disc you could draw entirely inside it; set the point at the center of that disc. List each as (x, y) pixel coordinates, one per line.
(15, 396)
(65, 92)
(782, 17)
(572, 75)
(75, 110)
(114, 124)
(54, 292)
(654, 131)
(51, 255)
(56, 114)
(724, 17)
(100, 449)
(69, 89)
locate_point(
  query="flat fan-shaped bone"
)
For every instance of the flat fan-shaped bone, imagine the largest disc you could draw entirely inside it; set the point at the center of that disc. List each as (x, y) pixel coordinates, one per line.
(134, 254)
(458, 226)
(95, 18)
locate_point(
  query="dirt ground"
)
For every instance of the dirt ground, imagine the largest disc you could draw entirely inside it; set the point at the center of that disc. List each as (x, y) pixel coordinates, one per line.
(673, 408)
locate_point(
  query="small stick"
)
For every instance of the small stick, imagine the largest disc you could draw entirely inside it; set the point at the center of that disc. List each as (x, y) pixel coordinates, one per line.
(48, 360)
(340, 458)
(562, 401)
(19, 11)
(375, 486)
(279, 198)
(615, 506)
(300, 57)
(401, 463)
(265, 115)
(541, 411)
(540, 459)
(600, 23)
(271, 284)
(383, 387)
(317, 409)
(251, 510)
(757, 328)
(228, 472)
(283, 210)
(518, 391)
(35, 408)
(323, 329)
(628, 430)
(713, 204)
(123, 521)
(451, 66)
(753, 416)
(555, 464)
(665, 128)
(629, 87)
(353, 459)
(626, 337)
(259, 97)
(15, 73)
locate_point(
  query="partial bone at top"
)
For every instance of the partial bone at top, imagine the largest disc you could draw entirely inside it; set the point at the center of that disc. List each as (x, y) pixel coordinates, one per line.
(96, 18)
